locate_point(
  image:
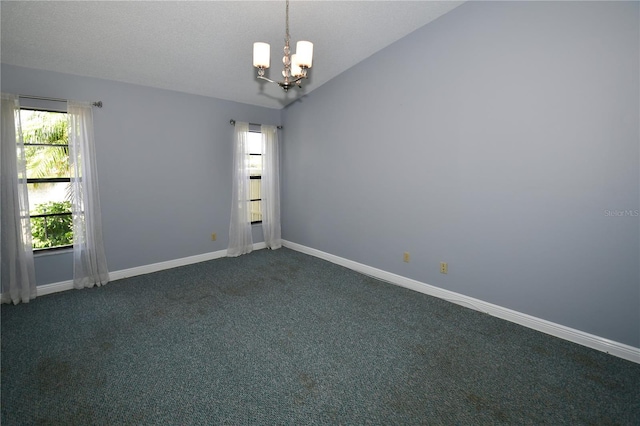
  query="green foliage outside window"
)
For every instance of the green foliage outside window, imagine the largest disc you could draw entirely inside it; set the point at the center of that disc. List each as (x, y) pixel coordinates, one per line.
(46, 152)
(52, 231)
(42, 127)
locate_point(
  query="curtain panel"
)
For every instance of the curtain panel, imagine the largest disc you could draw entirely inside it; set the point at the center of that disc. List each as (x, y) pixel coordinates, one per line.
(240, 239)
(270, 189)
(17, 272)
(89, 261)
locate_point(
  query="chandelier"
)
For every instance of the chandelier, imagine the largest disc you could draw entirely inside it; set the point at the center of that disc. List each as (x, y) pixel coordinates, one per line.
(295, 66)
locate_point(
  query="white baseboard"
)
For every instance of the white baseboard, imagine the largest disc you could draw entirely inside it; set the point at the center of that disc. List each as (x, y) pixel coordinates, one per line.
(161, 266)
(45, 289)
(620, 350)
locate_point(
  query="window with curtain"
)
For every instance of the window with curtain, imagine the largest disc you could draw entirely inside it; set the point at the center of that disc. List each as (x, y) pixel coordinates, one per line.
(256, 188)
(49, 194)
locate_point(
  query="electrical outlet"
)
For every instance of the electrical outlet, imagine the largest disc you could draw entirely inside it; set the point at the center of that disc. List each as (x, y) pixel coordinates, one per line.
(214, 236)
(444, 267)
(406, 257)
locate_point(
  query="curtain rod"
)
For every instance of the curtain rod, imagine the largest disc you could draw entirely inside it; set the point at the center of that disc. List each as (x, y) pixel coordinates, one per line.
(233, 123)
(43, 98)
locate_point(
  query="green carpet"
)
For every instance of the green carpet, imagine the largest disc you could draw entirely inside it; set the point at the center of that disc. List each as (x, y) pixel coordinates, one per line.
(279, 337)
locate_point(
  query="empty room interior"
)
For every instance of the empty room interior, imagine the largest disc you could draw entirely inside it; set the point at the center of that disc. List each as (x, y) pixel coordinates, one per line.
(475, 164)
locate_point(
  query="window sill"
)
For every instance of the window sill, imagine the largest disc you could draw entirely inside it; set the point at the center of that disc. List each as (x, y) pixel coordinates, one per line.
(50, 252)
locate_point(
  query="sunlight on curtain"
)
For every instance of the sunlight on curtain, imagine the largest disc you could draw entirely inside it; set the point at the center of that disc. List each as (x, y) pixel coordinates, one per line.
(17, 272)
(240, 239)
(270, 187)
(89, 261)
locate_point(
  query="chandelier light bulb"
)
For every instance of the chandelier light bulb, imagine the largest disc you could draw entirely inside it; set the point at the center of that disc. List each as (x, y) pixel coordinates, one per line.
(296, 71)
(304, 53)
(261, 55)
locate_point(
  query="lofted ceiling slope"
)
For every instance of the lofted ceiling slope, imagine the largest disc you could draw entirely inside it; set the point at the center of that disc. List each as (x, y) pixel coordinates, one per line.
(203, 47)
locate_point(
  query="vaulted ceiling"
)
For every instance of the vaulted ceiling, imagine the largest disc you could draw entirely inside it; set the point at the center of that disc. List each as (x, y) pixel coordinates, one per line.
(203, 47)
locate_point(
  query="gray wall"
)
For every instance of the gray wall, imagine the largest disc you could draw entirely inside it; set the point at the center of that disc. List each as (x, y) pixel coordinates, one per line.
(502, 138)
(164, 167)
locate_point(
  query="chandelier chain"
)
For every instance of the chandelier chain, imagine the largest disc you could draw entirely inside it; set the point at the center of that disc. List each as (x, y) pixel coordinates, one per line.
(287, 21)
(287, 50)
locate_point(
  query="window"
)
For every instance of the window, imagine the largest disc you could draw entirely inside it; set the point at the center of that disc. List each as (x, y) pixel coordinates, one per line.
(46, 146)
(255, 176)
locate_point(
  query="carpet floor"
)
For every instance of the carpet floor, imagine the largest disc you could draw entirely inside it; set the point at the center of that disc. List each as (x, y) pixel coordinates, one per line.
(279, 337)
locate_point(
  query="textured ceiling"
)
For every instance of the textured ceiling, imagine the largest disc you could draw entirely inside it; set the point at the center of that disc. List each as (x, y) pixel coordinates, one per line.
(203, 47)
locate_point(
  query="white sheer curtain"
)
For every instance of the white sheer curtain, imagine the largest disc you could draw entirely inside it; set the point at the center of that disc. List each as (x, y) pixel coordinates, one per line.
(17, 272)
(89, 261)
(240, 239)
(270, 189)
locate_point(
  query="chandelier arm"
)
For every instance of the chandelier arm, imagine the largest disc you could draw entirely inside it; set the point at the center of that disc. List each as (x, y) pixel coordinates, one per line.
(268, 79)
(297, 81)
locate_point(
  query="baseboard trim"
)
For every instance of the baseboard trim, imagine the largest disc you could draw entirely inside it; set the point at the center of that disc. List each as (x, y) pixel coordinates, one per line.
(43, 290)
(161, 266)
(620, 350)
